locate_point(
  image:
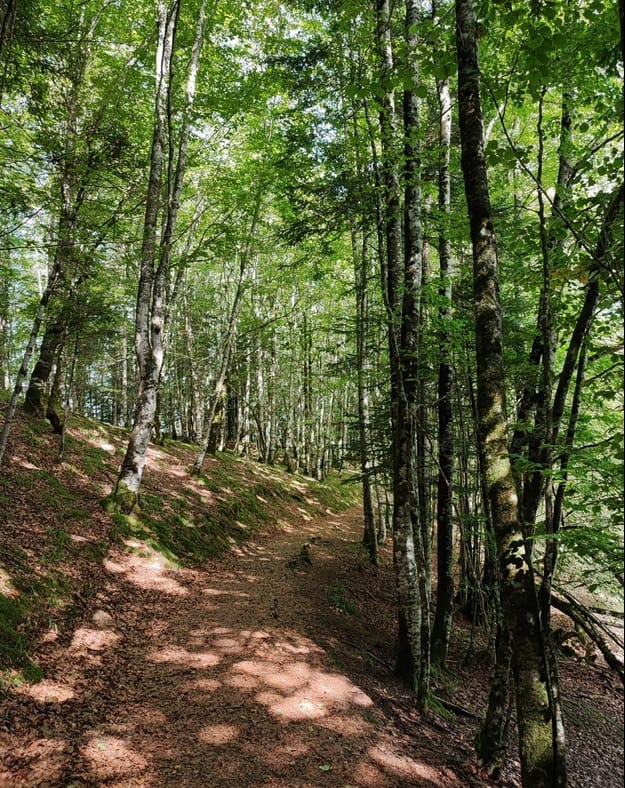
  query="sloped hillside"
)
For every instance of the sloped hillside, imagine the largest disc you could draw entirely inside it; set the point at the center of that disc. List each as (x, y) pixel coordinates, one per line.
(233, 634)
(55, 533)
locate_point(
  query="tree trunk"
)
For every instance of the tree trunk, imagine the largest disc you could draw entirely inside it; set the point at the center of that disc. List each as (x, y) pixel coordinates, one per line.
(491, 740)
(150, 308)
(370, 539)
(542, 761)
(229, 339)
(441, 628)
(404, 497)
(153, 296)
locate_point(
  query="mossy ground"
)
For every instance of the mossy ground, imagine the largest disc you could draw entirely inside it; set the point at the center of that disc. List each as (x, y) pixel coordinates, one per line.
(56, 532)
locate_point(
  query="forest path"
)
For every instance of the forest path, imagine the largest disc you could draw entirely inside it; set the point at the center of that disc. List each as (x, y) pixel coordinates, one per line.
(248, 672)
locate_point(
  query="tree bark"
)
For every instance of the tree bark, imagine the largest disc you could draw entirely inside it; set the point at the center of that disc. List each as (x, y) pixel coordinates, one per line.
(370, 539)
(542, 761)
(149, 312)
(153, 295)
(404, 497)
(441, 628)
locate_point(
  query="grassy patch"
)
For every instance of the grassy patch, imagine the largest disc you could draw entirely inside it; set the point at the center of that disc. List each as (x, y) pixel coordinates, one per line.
(184, 534)
(341, 601)
(59, 544)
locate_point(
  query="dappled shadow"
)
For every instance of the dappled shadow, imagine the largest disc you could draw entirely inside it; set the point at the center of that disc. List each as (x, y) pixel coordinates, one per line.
(213, 678)
(144, 567)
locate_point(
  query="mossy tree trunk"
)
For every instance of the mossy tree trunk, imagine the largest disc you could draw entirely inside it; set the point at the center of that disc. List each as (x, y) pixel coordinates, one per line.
(542, 760)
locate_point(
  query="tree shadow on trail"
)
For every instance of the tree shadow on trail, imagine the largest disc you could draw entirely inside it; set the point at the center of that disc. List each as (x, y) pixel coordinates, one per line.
(224, 677)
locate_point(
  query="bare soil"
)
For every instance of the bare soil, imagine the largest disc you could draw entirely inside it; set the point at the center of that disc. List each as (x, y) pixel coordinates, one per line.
(271, 666)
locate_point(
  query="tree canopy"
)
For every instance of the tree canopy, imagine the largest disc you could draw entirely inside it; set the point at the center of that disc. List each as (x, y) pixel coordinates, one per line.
(263, 227)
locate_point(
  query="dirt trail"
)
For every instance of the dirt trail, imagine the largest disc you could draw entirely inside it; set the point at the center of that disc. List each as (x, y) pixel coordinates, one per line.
(268, 667)
(219, 677)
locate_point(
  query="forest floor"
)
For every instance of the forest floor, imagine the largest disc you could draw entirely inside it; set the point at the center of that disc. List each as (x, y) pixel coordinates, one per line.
(270, 665)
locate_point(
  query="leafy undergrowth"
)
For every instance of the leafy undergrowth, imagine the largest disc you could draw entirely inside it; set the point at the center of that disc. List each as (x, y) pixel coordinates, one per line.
(55, 534)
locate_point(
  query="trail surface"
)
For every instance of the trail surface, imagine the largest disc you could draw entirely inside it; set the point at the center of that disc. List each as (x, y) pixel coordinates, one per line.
(269, 667)
(219, 677)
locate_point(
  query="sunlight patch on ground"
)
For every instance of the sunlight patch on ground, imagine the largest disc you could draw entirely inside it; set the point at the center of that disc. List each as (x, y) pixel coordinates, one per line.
(256, 635)
(179, 471)
(294, 708)
(47, 692)
(294, 645)
(242, 682)
(346, 726)
(110, 757)
(218, 734)
(406, 768)
(228, 645)
(194, 659)
(224, 592)
(366, 774)
(86, 639)
(6, 586)
(28, 465)
(306, 693)
(206, 685)
(146, 568)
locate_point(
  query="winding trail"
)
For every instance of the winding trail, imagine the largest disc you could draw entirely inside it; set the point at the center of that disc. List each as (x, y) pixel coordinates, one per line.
(224, 676)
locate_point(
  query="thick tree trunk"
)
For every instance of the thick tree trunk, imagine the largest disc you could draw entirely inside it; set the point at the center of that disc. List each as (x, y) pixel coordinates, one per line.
(542, 761)
(491, 740)
(36, 401)
(72, 197)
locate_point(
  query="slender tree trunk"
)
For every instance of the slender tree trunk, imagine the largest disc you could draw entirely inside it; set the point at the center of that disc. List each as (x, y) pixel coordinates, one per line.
(153, 296)
(360, 257)
(542, 761)
(229, 339)
(5, 377)
(226, 355)
(441, 628)
(150, 309)
(412, 425)
(404, 560)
